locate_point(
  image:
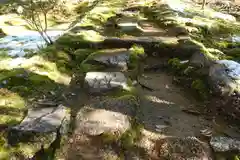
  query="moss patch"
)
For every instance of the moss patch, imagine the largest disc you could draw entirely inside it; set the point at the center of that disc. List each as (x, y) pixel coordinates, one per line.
(12, 107)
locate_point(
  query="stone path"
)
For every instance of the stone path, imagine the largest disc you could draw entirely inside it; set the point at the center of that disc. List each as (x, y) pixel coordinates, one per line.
(111, 116)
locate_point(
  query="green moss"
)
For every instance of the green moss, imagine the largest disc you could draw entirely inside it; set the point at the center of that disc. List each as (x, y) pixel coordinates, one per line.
(176, 65)
(237, 157)
(201, 88)
(108, 138)
(131, 136)
(82, 54)
(136, 52)
(4, 53)
(127, 140)
(85, 67)
(12, 107)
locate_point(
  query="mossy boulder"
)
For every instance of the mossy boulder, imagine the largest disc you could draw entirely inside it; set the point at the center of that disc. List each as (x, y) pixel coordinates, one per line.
(38, 131)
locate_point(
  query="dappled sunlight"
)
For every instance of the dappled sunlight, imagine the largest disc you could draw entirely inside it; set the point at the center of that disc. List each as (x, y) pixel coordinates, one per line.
(37, 65)
(12, 107)
(91, 35)
(158, 100)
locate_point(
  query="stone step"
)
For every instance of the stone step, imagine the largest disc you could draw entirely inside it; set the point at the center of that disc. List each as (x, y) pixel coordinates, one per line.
(116, 58)
(98, 82)
(39, 129)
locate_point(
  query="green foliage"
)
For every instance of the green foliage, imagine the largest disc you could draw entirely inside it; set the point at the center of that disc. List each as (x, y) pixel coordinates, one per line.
(236, 157)
(35, 12)
(4, 53)
(82, 54)
(131, 136)
(200, 87)
(137, 52)
(176, 65)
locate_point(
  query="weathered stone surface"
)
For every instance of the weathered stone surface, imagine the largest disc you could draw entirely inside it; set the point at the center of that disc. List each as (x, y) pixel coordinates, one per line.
(105, 81)
(38, 130)
(115, 58)
(224, 144)
(97, 121)
(125, 105)
(200, 60)
(224, 76)
(182, 148)
(43, 120)
(128, 24)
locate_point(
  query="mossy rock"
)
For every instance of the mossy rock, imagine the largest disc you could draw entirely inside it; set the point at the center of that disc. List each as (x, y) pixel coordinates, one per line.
(82, 54)
(201, 88)
(28, 144)
(137, 54)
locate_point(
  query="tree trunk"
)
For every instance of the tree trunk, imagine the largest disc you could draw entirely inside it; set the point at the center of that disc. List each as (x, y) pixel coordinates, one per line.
(203, 4)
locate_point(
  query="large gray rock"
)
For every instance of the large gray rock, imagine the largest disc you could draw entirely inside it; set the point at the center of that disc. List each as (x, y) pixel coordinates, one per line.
(189, 148)
(224, 144)
(200, 60)
(39, 129)
(105, 81)
(116, 58)
(224, 77)
(43, 120)
(97, 121)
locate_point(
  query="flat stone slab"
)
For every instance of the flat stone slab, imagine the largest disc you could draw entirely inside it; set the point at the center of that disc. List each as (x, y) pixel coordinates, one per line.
(115, 57)
(224, 144)
(97, 121)
(128, 24)
(104, 81)
(43, 120)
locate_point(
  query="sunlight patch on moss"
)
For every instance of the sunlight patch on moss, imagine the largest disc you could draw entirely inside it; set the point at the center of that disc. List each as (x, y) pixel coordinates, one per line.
(91, 35)
(36, 65)
(12, 107)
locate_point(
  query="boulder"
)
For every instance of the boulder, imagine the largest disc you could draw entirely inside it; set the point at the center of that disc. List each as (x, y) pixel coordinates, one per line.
(224, 77)
(224, 144)
(39, 129)
(43, 120)
(175, 148)
(113, 58)
(94, 122)
(105, 81)
(200, 60)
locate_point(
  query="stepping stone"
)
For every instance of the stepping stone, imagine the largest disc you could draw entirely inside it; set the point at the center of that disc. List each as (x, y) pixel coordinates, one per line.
(97, 121)
(113, 58)
(38, 130)
(150, 29)
(128, 24)
(105, 81)
(43, 120)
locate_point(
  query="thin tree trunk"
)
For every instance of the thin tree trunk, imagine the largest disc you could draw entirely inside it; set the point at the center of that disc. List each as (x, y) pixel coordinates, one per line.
(203, 4)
